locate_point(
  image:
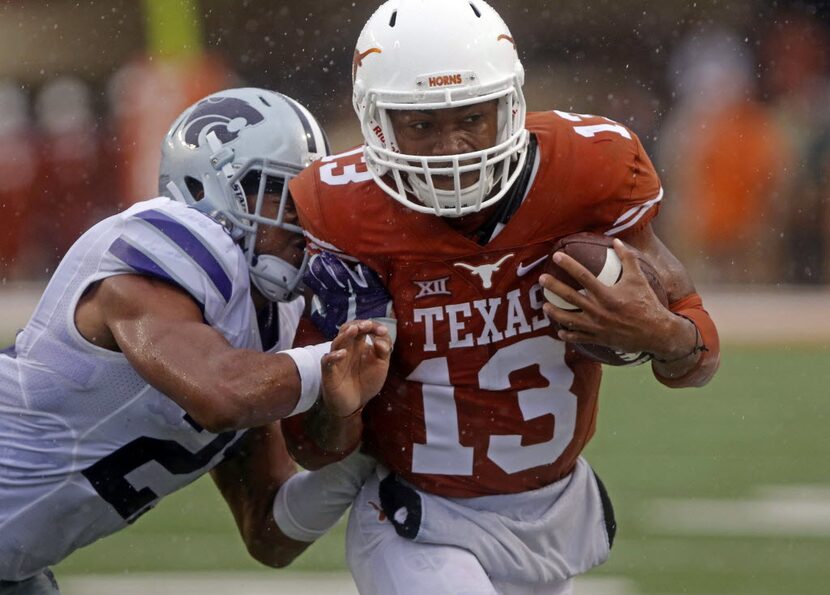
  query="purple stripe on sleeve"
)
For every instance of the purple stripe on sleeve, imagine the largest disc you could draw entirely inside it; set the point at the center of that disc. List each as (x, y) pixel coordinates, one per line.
(192, 246)
(144, 265)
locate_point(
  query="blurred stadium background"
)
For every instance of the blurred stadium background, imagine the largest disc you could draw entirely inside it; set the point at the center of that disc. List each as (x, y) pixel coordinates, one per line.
(723, 491)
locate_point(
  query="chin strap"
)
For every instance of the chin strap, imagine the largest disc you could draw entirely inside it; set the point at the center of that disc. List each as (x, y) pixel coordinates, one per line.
(507, 206)
(273, 277)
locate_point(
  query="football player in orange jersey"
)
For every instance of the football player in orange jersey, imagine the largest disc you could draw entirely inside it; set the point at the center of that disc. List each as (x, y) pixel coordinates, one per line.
(438, 225)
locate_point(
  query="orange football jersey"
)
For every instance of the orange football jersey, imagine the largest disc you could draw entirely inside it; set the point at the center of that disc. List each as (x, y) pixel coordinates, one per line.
(481, 397)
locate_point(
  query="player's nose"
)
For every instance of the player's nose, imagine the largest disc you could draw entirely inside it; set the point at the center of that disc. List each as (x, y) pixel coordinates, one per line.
(450, 142)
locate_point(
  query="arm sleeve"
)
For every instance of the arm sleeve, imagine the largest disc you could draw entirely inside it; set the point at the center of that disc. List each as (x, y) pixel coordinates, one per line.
(311, 502)
(708, 344)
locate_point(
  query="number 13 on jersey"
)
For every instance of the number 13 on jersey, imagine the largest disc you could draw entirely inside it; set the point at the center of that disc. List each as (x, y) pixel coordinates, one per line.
(443, 453)
(346, 168)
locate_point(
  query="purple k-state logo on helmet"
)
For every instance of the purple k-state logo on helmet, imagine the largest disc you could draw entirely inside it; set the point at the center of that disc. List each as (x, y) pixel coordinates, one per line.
(225, 116)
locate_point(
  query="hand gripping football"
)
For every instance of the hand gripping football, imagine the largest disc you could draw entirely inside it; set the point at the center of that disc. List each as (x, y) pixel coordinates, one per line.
(596, 253)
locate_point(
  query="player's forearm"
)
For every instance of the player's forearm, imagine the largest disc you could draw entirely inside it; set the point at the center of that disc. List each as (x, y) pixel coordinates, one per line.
(249, 389)
(269, 546)
(677, 356)
(252, 513)
(690, 351)
(334, 434)
(318, 437)
(698, 365)
(220, 387)
(249, 481)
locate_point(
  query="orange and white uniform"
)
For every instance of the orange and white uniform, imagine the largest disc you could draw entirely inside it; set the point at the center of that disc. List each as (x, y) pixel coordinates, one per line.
(481, 397)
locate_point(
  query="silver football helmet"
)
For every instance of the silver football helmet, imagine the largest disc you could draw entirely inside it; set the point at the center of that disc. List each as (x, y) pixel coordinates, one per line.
(242, 142)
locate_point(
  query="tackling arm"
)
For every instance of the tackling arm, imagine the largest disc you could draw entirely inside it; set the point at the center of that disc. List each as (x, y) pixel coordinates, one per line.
(278, 511)
(249, 482)
(165, 339)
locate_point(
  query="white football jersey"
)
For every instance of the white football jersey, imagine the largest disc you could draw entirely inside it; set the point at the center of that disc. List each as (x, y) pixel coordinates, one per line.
(86, 445)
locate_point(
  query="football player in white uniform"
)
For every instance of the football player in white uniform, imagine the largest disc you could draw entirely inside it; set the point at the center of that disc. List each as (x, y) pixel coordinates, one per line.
(160, 342)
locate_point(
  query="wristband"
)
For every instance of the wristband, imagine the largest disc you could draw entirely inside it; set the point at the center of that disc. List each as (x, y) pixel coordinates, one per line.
(707, 344)
(698, 347)
(307, 360)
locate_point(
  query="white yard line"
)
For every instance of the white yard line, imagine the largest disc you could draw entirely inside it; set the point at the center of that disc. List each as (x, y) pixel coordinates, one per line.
(769, 315)
(797, 511)
(278, 583)
(282, 583)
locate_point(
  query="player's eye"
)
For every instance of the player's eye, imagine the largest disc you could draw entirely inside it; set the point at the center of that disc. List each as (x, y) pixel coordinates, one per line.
(274, 185)
(472, 118)
(250, 184)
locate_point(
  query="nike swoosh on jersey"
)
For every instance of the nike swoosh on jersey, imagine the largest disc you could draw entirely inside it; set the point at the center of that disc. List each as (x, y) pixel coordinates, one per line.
(524, 270)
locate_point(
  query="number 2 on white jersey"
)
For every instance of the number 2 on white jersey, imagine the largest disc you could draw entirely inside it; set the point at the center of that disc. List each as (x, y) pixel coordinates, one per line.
(443, 453)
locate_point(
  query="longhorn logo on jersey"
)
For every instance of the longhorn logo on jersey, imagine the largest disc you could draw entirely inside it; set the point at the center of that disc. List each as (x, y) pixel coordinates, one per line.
(225, 116)
(485, 271)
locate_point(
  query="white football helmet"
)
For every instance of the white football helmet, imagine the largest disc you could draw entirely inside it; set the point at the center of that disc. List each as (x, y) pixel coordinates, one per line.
(436, 54)
(237, 141)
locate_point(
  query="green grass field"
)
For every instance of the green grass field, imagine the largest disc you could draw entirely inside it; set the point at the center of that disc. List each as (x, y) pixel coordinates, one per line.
(762, 422)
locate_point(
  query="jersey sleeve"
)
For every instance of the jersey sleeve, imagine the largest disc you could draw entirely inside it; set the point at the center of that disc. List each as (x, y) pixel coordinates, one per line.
(343, 287)
(320, 234)
(182, 247)
(613, 184)
(637, 199)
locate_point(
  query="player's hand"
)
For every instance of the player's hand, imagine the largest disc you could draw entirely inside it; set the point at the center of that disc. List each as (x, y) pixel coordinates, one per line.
(355, 369)
(344, 291)
(627, 316)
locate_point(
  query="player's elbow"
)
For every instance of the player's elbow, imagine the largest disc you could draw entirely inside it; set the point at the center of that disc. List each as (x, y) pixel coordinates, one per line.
(217, 416)
(696, 378)
(218, 425)
(273, 559)
(276, 554)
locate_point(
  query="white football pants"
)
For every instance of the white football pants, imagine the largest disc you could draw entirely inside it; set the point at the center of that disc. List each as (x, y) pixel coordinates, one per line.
(383, 563)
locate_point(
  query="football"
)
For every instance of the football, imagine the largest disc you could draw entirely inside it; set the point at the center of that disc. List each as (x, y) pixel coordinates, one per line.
(596, 253)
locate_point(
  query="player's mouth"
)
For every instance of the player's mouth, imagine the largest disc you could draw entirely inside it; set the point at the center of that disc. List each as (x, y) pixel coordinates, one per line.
(448, 182)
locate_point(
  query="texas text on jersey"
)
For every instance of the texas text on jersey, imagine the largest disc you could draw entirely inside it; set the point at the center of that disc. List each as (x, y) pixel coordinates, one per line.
(482, 398)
